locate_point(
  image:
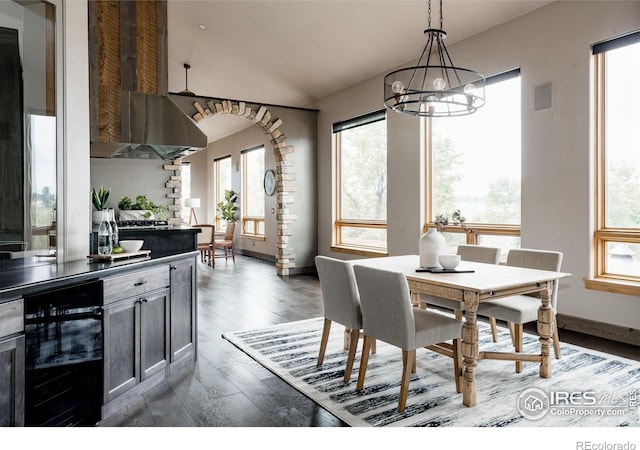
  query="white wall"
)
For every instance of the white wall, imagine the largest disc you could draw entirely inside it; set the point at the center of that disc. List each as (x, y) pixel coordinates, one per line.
(550, 45)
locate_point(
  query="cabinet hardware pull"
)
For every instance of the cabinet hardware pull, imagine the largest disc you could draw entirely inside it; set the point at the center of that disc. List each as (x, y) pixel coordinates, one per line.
(174, 267)
(140, 283)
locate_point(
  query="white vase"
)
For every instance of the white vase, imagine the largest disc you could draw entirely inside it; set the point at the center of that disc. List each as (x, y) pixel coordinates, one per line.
(432, 244)
(97, 217)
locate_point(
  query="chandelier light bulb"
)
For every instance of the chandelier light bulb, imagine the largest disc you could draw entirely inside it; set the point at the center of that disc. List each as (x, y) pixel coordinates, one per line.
(469, 88)
(439, 84)
(397, 87)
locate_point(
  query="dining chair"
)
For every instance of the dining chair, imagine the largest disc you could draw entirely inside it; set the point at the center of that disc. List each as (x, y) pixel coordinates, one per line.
(205, 242)
(341, 302)
(473, 253)
(520, 309)
(388, 316)
(227, 244)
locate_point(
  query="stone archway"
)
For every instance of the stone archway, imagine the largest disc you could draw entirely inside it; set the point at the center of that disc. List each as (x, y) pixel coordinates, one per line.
(285, 173)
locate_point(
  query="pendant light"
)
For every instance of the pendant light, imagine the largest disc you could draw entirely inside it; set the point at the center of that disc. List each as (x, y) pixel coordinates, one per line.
(186, 90)
(434, 87)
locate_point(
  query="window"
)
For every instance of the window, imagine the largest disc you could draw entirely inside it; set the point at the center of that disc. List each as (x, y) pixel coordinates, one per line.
(252, 193)
(221, 182)
(462, 151)
(361, 184)
(617, 184)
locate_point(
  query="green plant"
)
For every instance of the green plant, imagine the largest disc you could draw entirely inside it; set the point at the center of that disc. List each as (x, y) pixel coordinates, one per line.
(100, 198)
(143, 204)
(227, 208)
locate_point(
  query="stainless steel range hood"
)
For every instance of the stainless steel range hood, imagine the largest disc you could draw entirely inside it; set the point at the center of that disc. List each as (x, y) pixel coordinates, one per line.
(151, 126)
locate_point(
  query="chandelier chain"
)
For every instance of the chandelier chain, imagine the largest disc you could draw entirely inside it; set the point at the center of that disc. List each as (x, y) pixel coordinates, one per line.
(429, 15)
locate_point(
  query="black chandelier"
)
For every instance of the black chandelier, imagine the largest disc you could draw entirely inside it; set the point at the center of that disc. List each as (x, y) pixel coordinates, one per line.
(435, 87)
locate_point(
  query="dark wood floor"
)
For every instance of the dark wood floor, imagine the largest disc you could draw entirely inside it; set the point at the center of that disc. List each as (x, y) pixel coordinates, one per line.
(226, 388)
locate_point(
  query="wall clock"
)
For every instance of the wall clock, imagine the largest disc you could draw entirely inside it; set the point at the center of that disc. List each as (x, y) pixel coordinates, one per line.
(269, 182)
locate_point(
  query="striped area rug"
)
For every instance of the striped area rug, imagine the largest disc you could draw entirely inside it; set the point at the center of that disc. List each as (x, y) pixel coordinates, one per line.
(587, 388)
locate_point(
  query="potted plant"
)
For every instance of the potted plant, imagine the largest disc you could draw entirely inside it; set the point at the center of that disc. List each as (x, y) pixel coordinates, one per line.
(99, 198)
(142, 209)
(227, 207)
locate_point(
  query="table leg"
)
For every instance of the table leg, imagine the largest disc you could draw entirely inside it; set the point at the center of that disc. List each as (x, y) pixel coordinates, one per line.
(469, 348)
(545, 329)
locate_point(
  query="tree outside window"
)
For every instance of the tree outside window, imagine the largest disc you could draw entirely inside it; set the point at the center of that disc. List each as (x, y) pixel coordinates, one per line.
(464, 175)
(361, 183)
(617, 231)
(222, 182)
(252, 193)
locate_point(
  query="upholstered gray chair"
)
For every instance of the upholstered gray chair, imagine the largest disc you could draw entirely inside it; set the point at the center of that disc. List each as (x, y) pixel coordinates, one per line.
(341, 304)
(387, 315)
(473, 253)
(520, 309)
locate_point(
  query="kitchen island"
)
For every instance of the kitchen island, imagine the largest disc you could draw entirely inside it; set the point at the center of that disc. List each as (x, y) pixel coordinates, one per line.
(131, 322)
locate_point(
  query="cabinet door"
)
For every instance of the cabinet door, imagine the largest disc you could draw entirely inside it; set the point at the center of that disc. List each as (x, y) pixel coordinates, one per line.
(12, 382)
(121, 347)
(154, 326)
(183, 309)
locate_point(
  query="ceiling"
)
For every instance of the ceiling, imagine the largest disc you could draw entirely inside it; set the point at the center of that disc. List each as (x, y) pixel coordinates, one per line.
(291, 53)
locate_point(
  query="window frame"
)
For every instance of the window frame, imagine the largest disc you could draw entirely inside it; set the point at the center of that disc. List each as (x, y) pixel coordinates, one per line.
(339, 223)
(250, 225)
(603, 235)
(473, 231)
(218, 194)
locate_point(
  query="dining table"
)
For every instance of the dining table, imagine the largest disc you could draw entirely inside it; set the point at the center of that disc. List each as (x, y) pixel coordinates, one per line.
(474, 283)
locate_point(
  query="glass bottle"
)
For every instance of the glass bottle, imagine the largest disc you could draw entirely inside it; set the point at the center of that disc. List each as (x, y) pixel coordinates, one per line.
(114, 229)
(104, 235)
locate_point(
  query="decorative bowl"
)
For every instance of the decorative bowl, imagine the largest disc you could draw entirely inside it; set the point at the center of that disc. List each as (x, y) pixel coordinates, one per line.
(449, 261)
(131, 246)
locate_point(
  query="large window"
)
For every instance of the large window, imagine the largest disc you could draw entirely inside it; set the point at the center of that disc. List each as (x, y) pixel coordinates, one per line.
(617, 224)
(221, 182)
(252, 192)
(473, 165)
(361, 184)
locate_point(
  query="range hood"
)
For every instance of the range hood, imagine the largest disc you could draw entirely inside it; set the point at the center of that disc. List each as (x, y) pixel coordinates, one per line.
(151, 126)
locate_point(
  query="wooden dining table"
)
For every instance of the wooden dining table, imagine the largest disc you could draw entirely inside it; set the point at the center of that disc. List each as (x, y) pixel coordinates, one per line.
(473, 284)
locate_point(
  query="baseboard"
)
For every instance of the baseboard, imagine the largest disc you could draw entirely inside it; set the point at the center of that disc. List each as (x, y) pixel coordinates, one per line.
(256, 255)
(599, 329)
(271, 258)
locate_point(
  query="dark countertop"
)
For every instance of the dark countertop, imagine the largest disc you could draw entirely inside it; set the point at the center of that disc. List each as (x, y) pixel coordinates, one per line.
(20, 281)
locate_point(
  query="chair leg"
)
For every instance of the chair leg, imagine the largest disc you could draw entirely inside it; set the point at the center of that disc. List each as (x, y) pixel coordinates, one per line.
(364, 360)
(458, 314)
(556, 339)
(353, 346)
(494, 328)
(512, 333)
(414, 363)
(408, 357)
(233, 253)
(323, 342)
(457, 363)
(518, 332)
(373, 346)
